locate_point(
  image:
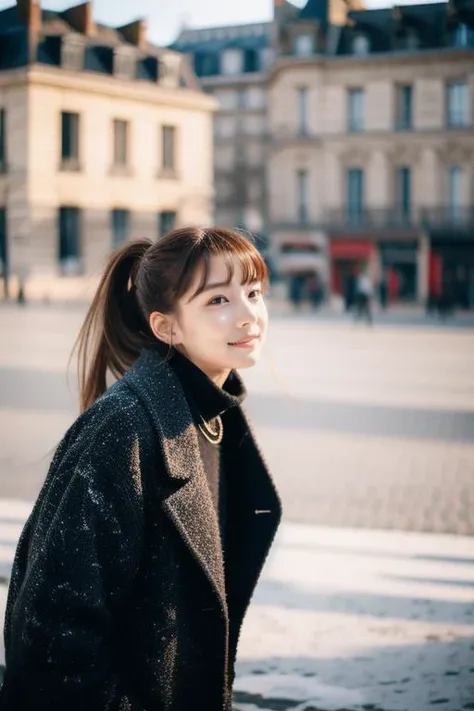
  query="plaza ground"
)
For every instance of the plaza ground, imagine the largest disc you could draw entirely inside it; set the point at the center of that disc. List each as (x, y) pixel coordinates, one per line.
(367, 599)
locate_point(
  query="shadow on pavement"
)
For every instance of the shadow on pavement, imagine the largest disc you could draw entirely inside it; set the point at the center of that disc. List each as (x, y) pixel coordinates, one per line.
(376, 605)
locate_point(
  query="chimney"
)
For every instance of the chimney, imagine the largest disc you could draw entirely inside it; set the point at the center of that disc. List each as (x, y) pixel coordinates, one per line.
(81, 18)
(29, 12)
(135, 33)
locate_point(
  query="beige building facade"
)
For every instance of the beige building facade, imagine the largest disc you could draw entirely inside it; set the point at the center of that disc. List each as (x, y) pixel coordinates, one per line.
(113, 140)
(371, 147)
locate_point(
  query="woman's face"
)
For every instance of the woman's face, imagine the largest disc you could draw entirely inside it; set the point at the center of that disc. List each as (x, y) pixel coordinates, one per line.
(225, 326)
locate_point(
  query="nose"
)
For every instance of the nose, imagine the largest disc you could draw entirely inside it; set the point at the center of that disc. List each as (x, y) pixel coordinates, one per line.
(247, 313)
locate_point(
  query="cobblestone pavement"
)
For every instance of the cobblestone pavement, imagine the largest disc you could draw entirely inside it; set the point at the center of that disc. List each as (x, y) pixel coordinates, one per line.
(361, 427)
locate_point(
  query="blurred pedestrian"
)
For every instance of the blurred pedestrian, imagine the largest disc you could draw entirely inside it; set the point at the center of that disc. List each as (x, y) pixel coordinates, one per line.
(383, 292)
(364, 295)
(315, 290)
(136, 567)
(297, 283)
(349, 291)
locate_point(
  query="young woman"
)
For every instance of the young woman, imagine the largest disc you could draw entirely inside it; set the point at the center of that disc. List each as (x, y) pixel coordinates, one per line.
(136, 567)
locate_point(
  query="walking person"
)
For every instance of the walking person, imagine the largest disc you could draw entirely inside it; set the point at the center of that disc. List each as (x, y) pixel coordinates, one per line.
(137, 565)
(364, 295)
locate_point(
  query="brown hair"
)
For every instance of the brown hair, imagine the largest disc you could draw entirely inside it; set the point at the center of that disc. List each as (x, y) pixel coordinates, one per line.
(140, 278)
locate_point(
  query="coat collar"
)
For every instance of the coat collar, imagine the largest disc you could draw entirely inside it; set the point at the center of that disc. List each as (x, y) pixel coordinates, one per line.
(160, 390)
(204, 396)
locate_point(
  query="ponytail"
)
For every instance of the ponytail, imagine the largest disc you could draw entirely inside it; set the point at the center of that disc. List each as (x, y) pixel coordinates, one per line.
(115, 328)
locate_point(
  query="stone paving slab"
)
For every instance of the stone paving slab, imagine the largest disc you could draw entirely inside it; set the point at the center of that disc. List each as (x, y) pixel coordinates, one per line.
(348, 620)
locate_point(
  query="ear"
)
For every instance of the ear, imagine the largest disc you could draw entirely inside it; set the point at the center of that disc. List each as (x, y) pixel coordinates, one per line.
(163, 328)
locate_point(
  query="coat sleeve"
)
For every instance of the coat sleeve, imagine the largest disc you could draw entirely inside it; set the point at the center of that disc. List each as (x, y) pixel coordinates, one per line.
(80, 557)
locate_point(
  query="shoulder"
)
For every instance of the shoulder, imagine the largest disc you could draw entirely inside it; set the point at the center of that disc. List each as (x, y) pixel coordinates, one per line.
(114, 433)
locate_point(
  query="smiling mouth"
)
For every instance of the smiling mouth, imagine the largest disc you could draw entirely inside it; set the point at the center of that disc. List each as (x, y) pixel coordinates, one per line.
(245, 342)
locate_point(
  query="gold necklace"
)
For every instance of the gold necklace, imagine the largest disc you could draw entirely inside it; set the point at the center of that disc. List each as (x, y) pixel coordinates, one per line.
(211, 435)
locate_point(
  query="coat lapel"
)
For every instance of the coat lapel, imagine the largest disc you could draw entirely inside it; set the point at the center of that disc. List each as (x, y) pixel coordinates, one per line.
(190, 507)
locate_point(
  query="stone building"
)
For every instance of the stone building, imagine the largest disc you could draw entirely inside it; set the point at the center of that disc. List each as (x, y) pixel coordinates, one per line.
(345, 136)
(103, 137)
(231, 64)
(371, 145)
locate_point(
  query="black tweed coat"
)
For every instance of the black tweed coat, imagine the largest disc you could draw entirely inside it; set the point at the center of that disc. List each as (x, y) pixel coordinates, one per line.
(120, 599)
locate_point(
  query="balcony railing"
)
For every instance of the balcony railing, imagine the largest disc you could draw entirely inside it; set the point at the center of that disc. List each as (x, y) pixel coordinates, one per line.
(447, 220)
(373, 219)
(448, 217)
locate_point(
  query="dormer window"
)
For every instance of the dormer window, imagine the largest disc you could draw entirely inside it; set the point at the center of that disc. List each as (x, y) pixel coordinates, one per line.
(232, 62)
(72, 53)
(125, 63)
(360, 45)
(461, 36)
(304, 45)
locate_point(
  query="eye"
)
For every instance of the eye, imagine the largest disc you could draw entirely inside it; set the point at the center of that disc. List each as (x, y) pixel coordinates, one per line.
(215, 301)
(256, 293)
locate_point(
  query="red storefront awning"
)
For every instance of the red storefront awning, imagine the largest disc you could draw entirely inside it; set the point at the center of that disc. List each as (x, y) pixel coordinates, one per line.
(351, 249)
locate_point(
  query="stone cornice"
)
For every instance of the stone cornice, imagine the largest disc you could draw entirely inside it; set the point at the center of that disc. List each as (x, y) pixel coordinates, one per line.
(144, 92)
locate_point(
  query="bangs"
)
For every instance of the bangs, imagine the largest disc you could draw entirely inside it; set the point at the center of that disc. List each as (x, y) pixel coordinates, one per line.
(228, 244)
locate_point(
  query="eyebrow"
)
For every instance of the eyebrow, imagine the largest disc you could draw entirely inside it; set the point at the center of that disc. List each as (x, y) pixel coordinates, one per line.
(209, 287)
(217, 285)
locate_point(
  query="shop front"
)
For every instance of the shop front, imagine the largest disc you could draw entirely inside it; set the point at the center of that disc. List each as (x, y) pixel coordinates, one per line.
(348, 257)
(399, 270)
(451, 272)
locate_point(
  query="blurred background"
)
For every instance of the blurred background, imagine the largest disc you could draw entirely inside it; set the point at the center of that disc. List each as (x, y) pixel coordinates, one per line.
(340, 135)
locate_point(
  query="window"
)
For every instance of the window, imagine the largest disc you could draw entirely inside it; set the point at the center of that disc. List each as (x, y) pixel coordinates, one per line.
(225, 126)
(355, 122)
(403, 191)
(255, 98)
(166, 222)
(206, 64)
(251, 60)
(455, 180)
(168, 148)
(69, 240)
(3, 140)
(228, 99)
(457, 104)
(304, 45)
(360, 45)
(69, 141)
(355, 195)
(461, 36)
(303, 110)
(121, 132)
(404, 118)
(302, 195)
(120, 226)
(231, 61)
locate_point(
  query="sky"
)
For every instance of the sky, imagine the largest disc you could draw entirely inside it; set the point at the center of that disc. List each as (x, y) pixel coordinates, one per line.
(165, 18)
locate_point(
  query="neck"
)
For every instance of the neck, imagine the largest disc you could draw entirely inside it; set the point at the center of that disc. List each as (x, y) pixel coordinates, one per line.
(218, 377)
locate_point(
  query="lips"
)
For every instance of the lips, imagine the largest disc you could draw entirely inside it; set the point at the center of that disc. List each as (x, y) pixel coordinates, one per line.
(244, 341)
